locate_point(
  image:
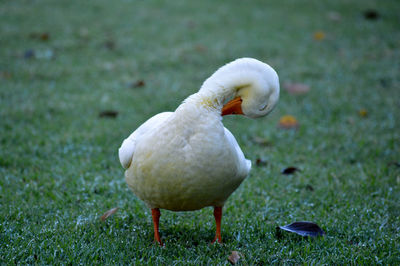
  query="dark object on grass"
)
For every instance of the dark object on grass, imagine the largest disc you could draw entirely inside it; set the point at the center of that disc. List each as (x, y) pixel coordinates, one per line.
(303, 229)
(261, 162)
(371, 14)
(108, 213)
(44, 36)
(108, 113)
(110, 45)
(29, 54)
(395, 164)
(309, 187)
(234, 257)
(138, 84)
(290, 170)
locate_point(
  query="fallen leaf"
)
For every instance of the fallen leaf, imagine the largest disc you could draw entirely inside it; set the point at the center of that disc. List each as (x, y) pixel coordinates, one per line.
(108, 213)
(384, 82)
(138, 84)
(309, 187)
(395, 164)
(29, 54)
(290, 170)
(303, 229)
(363, 112)
(234, 257)
(319, 35)
(261, 162)
(108, 113)
(371, 14)
(44, 36)
(296, 88)
(288, 122)
(5, 75)
(110, 44)
(200, 48)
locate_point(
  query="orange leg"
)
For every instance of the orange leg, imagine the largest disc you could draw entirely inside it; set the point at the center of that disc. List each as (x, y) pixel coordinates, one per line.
(218, 217)
(155, 213)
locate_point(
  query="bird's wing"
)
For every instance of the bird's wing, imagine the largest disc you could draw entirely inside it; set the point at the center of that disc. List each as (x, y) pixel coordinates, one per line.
(127, 148)
(244, 164)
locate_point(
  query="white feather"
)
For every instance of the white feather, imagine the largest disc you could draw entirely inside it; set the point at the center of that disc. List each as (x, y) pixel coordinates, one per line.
(127, 148)
(187, 160)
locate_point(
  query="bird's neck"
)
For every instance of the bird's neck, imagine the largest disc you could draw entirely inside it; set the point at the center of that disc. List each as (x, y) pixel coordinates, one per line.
(201, 102)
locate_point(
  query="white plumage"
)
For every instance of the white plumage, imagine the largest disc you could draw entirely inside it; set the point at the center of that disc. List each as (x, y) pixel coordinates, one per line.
(186, 160)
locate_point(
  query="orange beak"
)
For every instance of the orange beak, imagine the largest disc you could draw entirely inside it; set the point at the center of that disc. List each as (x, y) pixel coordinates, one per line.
(233, 107)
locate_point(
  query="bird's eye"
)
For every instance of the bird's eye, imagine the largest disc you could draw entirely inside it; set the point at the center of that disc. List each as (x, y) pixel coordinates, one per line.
(262, 109)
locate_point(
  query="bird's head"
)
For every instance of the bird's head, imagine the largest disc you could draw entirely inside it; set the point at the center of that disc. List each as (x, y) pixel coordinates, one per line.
(247, 86)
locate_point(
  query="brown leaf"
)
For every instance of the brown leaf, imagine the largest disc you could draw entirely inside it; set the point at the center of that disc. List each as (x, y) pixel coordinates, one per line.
(108, 213)
(363, 112)
(296, 88)
(288, 122)
(290, 170)
(138, 84)
(261, 162)
(5, 75)
(108, 113)
(200, 48)
(234, 257)
(44, 36)
(319, 35)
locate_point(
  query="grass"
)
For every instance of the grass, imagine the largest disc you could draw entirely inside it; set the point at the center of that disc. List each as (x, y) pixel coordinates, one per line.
(59, 169)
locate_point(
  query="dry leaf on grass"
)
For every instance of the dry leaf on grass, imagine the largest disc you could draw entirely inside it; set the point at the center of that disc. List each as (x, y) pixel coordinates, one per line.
(108, 113)
(5, 75)
(44, 36)
(363, 112)
(319, 35)
(290, 170)
(288, 122)
(234, 257)
(110, 44)
(108, 213)
(296, 88)
(138, 84)
(261, 162)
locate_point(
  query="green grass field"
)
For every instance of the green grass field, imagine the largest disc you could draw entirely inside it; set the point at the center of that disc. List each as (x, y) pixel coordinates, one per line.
(64, 62)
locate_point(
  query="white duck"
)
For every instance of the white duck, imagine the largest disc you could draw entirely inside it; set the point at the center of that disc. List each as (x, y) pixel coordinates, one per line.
(186, 160)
